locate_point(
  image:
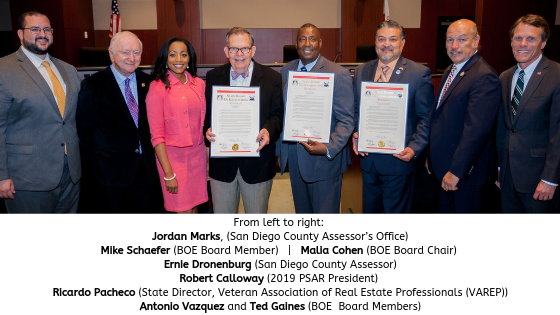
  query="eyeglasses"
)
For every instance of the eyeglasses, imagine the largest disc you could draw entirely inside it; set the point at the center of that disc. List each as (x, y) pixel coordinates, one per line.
(37, 30)
(234, 50)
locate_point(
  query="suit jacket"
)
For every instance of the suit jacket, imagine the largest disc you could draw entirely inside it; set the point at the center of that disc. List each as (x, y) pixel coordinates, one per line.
(314, 168)
(461, 129)
(531, 139)
(32, 131)
(252, 169)
(108, 136)
(420, 99)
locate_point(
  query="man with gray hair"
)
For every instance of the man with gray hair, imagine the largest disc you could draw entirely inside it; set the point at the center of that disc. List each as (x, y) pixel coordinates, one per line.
(39, 154)
(120, 174)
(249, 176)
(388, 180)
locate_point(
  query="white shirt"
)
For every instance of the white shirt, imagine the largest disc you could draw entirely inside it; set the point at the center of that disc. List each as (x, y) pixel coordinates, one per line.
(528, 73)
(458, 68)
(36, 61)
(241, 81)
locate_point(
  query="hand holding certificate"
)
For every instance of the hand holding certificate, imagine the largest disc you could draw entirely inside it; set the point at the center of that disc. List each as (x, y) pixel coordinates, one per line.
(308, 106)
(235, 122)
(383, 112)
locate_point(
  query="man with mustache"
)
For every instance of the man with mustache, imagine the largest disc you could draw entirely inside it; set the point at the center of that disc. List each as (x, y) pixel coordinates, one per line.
(39, 156)
(316, 168)
(388, 180)
(461, 150)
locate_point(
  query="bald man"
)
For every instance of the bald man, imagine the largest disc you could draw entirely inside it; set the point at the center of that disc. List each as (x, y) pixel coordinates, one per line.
(461, 148)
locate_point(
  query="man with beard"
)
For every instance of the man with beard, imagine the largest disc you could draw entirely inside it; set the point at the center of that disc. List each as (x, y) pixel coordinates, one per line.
(388, 179)
(39, 154)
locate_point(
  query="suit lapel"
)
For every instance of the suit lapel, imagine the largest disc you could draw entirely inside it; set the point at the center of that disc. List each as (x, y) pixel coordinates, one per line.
(400, 67)
(458, 77)
(142, 86)
(536, 79)
(36, 76)
(116, 94)
(506, 95)
(69, 87)
(256, 77)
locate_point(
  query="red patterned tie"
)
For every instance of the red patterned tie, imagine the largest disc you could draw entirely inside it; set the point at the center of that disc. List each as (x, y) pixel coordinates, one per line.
(449, 79)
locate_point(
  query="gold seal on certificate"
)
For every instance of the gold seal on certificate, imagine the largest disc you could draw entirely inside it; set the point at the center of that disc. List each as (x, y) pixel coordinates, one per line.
(383, 112)
(235, 121)
(309, 106)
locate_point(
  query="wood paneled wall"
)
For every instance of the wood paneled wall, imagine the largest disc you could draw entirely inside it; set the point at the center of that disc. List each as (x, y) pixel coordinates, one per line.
(497, 18)
(360, 18)
(269, 43)
(174, 18)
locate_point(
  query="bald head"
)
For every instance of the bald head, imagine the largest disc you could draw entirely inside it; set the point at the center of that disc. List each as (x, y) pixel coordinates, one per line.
(125, 52)
(461, 40)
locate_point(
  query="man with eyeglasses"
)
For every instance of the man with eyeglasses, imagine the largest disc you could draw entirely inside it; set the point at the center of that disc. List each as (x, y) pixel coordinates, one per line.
(388, 179)
(251, 177)
(120, 173)
(39, 155)
(316, 168)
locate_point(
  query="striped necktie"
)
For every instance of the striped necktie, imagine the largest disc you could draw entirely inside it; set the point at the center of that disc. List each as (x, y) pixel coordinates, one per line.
(518, 92)
(58, 91)
(383, 76)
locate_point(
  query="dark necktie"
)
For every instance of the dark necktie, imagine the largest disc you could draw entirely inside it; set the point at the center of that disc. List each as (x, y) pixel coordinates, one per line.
(518, 92)
(235, 75)
(303, 69)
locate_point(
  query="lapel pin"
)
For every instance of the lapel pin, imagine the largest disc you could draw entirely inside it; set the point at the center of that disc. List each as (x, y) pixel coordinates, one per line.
(538, 73)
(143, 84)
(398, 72)
(401, 68)
(462, 73)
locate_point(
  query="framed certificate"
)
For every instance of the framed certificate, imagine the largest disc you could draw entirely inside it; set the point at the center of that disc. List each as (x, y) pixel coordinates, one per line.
(235, 121)
(383, 112)
(309, 106)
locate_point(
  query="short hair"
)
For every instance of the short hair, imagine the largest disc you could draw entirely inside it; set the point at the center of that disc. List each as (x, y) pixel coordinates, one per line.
(239, 30)
(160, 70)
(393, 24)
(21, 19)
(534, 20)
(115, 40)
(309, 25)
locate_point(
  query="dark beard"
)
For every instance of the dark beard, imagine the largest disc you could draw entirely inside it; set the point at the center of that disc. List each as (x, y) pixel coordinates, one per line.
(32, 47)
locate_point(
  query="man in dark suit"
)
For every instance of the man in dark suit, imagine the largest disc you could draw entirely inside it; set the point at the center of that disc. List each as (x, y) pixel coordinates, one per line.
(388, 180)
(316, 168)
(461, 147)
(39, 155)
(115, 135)
(529, 122)
(252, 177)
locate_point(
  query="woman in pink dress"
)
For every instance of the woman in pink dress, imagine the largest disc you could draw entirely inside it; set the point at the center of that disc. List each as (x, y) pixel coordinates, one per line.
(176, 107)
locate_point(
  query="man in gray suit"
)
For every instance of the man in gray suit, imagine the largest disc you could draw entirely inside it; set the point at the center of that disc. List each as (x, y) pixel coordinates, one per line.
(316, 168)
(388, 180)
(39, 154)
(528, 134)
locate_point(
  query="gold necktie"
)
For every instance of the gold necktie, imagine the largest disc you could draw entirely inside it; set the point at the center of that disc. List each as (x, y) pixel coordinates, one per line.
(58, 91)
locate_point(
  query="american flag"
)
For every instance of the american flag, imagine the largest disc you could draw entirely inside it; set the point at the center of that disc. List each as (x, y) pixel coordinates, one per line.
(386, 10)
(115, 19)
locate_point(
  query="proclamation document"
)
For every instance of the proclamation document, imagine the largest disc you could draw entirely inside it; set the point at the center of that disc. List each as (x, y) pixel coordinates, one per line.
(235, 121)
(309, 106)
(383, 112)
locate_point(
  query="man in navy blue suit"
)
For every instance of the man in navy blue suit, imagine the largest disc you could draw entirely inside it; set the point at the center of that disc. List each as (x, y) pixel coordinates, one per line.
(461, 149)
(388, 180)
(529, 122)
